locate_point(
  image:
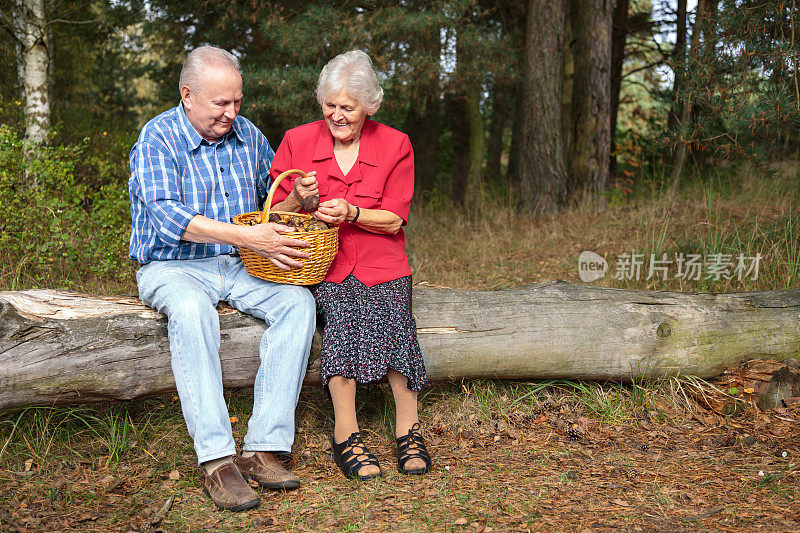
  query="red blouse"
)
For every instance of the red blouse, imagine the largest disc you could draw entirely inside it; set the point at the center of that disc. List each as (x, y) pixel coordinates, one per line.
(381, 178)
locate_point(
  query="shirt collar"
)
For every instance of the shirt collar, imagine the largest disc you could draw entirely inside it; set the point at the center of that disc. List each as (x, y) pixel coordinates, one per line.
(236, 128)
(367, 152)
(193, 138)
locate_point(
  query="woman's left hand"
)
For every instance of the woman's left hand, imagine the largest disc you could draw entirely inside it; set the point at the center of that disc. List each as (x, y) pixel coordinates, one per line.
(333, 211)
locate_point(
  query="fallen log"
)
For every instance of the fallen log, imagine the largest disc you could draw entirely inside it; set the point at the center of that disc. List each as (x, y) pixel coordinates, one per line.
(59, 347)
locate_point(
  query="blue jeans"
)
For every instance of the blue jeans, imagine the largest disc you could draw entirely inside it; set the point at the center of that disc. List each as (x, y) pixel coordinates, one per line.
(187, 291)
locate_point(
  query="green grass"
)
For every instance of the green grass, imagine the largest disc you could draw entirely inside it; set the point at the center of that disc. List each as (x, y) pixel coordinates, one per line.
(492, 482)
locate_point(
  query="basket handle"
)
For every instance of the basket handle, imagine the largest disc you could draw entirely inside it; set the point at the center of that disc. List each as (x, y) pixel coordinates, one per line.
(268, 204)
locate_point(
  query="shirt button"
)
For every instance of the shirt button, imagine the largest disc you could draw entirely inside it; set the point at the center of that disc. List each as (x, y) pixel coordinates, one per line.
(222, 169)
(226, 195)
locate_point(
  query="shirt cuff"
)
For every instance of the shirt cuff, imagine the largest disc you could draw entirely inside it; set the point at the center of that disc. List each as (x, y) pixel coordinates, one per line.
(174, 223)
(397, 207)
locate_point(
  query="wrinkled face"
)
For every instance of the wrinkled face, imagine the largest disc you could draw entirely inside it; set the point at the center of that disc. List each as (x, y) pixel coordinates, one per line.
(344, 115)
(212, 108)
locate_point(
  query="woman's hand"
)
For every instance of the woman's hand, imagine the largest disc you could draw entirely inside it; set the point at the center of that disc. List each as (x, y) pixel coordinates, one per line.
(334, 211)
(304, 187)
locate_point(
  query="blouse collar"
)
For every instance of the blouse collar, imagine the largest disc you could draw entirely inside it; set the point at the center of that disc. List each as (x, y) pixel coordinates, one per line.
(367, 152)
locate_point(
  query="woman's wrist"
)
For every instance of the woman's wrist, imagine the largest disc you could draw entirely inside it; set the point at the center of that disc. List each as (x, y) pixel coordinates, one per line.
(296, 201)
(353, 211)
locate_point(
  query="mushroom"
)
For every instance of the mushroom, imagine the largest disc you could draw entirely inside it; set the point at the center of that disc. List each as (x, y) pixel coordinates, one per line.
(310, 203)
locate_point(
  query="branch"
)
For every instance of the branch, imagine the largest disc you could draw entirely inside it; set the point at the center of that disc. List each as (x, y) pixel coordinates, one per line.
(63, 21)
(650, 65)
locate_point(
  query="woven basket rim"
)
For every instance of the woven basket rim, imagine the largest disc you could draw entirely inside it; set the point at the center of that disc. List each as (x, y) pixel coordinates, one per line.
(261, 267)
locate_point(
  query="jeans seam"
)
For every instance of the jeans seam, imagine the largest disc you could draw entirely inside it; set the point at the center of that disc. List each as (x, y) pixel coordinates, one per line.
(193, 400)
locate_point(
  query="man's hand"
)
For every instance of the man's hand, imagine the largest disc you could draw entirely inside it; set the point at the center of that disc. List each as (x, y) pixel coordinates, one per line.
(334, 211)
(263, 239)
(266, 240)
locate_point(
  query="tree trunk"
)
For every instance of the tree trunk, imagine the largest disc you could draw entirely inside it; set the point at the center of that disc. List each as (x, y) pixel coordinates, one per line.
(59, 348)
(33, 61)
(477, 143)
(423, 125)
(17, 30)
(591, 100)
(567, 85)
(456, 109)
(468, 88)
(424, 117)
(686, 97)
(707, 54)
(619, 37)
(678, 64)
(494, 149)
(512, 171)
(542, 174)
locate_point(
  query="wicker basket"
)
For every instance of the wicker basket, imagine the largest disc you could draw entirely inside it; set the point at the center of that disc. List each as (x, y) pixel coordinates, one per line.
(324, 245)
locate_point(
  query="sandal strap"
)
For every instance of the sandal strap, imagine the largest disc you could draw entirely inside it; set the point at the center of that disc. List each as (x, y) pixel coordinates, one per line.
(348, 461)
(412, 446)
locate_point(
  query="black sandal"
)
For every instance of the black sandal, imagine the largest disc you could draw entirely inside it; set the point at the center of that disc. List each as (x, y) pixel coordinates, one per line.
(349, 462)
(412, 446)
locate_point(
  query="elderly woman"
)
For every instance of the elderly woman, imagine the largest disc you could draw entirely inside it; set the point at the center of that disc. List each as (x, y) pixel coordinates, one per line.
(363, 173)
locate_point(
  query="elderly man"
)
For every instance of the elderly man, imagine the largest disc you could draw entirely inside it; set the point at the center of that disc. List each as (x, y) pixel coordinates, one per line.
(193, 169)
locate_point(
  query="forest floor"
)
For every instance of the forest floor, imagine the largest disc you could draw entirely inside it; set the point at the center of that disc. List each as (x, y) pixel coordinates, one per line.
(673, 455)
(508, 456)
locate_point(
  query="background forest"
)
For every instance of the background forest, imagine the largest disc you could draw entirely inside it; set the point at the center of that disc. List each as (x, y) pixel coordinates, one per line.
(663, 135)
(527, 119)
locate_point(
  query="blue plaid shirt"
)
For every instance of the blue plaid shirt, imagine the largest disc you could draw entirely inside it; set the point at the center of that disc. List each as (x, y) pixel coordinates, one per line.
(176, 174)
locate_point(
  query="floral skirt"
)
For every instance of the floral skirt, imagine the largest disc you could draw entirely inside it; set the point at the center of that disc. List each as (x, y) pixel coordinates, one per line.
(369, 330)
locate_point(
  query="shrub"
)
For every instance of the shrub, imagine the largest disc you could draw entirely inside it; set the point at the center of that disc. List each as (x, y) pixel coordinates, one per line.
(55, 230)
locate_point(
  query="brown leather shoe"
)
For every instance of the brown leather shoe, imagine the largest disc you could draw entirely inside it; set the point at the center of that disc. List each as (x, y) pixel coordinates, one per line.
(229, 490)
(264, 468)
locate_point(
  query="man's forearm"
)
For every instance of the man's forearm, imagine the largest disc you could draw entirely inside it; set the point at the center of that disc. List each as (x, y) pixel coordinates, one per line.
(209, 231)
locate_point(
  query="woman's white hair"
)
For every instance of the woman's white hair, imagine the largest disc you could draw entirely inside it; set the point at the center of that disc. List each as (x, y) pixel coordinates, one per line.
(201, 58)
(352, 71)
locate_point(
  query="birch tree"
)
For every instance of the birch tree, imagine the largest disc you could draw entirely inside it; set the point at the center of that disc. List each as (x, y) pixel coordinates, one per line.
(27, 23)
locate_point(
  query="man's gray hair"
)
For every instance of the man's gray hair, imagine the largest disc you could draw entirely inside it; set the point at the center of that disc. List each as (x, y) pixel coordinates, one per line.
(352, 71)
(199, 59)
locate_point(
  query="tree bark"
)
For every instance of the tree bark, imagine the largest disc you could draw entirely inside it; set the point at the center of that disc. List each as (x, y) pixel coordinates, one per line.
(477, 143)
(567, 85)
(512, 171)
(33, 61)
(60, 348)
(591, 100)
(423, 125)
(542, 174)
(686, 97)
(678, 64)
(468, 89)
(424, 117)
(494, 145)
(619, 37)
(456, 109)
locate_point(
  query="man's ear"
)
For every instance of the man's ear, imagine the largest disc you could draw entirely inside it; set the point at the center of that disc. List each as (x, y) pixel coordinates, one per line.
(186, 97)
